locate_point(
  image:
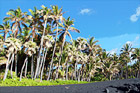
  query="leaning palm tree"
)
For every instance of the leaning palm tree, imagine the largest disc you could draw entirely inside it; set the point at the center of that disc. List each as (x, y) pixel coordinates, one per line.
(29, 49)
(64, 32)
(13, 45)
(35, 23)
(48, 40)
(57, 16)
(46, 14)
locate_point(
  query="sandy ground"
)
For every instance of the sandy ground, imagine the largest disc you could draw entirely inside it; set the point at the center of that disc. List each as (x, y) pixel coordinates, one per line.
(117, 86)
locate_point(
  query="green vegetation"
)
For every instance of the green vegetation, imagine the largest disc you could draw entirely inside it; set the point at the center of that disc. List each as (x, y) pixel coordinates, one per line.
(34, 49)
(30, 82)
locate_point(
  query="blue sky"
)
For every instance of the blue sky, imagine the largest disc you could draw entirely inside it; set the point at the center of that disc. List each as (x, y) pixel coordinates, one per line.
(112, 22)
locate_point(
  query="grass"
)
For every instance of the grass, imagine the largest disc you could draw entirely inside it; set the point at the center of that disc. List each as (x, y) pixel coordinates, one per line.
(29, 82)
(37, 82)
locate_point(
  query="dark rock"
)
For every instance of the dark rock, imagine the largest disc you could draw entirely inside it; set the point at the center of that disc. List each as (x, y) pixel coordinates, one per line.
(116, 86)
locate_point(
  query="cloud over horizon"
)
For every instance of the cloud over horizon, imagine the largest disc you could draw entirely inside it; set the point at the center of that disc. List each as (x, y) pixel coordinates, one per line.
(135, 42)
(135, 16)
(113, 51)
(85, 11)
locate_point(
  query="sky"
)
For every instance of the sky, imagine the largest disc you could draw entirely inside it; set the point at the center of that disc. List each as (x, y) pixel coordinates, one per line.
(112, 22)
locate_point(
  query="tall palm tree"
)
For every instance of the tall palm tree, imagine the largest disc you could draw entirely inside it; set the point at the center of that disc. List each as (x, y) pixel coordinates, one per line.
(57, 15)
(64, 32)
(48, 40)
(110, 67)
(127, 48)
(16, 18)
(78, 46)
(46, 14)
(29, 49)
(136, 56)
(13, 46)
(34, 22)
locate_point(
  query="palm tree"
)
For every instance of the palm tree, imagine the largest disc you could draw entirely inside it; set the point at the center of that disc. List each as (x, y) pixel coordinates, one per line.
(29, 49)
(92, 52)
(64, 32)
(48, 40)
(92, 47)
(78, 46)
(18, 18)
(13, 46)
(46, 14)
(69, 53)
(110, 68)
(57, 15)
(126, 55)
(136, 56)
(26, 34)
(6, 28)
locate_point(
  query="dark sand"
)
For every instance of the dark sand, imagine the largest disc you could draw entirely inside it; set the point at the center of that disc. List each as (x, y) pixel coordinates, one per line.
(117, 86)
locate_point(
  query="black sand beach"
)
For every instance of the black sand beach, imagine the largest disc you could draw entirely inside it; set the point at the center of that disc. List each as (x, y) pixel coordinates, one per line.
(118, 86)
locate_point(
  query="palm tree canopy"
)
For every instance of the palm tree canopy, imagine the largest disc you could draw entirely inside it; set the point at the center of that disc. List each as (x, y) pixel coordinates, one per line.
(30, 48)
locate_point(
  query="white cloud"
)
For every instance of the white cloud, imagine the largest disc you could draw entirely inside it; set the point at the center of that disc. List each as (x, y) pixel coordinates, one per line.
(113, 51)
(85, 11)
(137, 38)
(135, 16)
(135, 42)
(128, 42)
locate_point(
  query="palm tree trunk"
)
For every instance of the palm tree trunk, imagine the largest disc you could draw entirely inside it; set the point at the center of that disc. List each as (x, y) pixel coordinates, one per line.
(76, 68)
(7, 67)
(26, 67)
(60, 57)
(110, 77)
(43, 64)
(12, 65)
(121, 76)
(16, 59)
(139, 70)
(126, 71)
(82, 72)
(41, 45)
(23, 67)
(67, 71)
(79, 75)
(32, 61)
(53, 55)
(32, 67)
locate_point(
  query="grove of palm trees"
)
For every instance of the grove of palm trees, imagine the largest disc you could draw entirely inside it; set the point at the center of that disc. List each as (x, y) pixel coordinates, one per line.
(34, 45)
